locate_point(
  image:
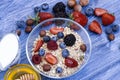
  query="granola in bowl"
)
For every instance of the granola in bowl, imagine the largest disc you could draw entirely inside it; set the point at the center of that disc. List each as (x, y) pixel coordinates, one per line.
(58, 52)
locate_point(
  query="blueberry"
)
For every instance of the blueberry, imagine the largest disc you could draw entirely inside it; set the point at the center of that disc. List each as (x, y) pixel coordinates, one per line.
(54, 38)
(41, 52)
(89, 11)
(108, 30)
(115, 28)
(20, 24)
(62, 45)
(37, 9)
(60, 35)
(65, 53)
(46, 38)
(45, 6)
(59, 70)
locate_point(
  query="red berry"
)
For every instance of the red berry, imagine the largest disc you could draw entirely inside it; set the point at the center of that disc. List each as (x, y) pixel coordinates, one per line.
(51, 59)
(95, 26)
(70, 62)
(36, 59)
(99, 11)
(107, 19)
(52, 45)
(38, 45)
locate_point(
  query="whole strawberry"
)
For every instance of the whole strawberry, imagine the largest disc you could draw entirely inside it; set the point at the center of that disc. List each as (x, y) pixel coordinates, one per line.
(44, 15)
(79, 17)
(108, 19)
(95, 27)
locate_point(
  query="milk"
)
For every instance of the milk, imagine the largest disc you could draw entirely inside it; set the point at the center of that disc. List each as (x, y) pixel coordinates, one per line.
(9, 47)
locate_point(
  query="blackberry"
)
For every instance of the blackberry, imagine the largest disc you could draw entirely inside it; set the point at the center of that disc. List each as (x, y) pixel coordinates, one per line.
(69, 40)
(59, 7)
(61, 14)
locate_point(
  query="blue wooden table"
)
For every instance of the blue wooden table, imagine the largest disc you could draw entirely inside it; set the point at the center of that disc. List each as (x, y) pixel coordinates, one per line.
(104, 63)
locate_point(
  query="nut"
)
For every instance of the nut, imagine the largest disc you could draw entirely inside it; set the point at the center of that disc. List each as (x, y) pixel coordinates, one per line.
(111, 37)
(84, 2)
(28, 29)
(30, 22)
(42, 33)
(18, 32)
(77, 7)
(71, 3)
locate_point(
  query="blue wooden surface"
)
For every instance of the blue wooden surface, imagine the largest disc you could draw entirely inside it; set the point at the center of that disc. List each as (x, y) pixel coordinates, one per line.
(104, 63)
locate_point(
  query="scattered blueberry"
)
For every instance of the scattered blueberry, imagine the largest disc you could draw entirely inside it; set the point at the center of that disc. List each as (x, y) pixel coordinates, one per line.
(46, 38)
(20, 24)
(59, 70)
(37, 9)
(62, 45)
(115, 28)
(45, 6)
(108, 30)
(89, 11)
(54, 38)
(60, 35)
(65, 53)
(41, 52)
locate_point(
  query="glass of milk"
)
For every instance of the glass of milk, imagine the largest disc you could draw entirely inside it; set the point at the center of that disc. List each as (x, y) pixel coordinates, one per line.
(9, 51)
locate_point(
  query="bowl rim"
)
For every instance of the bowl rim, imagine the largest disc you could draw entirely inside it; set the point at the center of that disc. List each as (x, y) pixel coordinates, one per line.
(51, 19)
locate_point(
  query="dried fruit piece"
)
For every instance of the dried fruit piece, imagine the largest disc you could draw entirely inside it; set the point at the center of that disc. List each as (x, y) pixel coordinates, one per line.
(36, 59)
(51, 59)
(46, 67)
(107, 19)
(55, 30)
(38, 45)
(83, 47)
(70, 62)
(52, 45)
(42, 33)
(95, 27)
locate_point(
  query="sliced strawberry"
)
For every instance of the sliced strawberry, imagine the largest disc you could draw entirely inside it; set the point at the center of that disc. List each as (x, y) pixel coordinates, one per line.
(80, 18)
(95, 27)
(107, 19)
(99, 11)
(51, 59)
(55, 30)
(70, 62)
(44, 15)
(38, 45)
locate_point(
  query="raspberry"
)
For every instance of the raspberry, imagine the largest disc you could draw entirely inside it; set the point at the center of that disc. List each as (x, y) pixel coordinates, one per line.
(52, 45)
(36, 59)
(69, 40)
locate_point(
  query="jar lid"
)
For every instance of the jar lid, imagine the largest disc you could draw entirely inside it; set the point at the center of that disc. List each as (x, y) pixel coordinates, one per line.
(21, 71)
